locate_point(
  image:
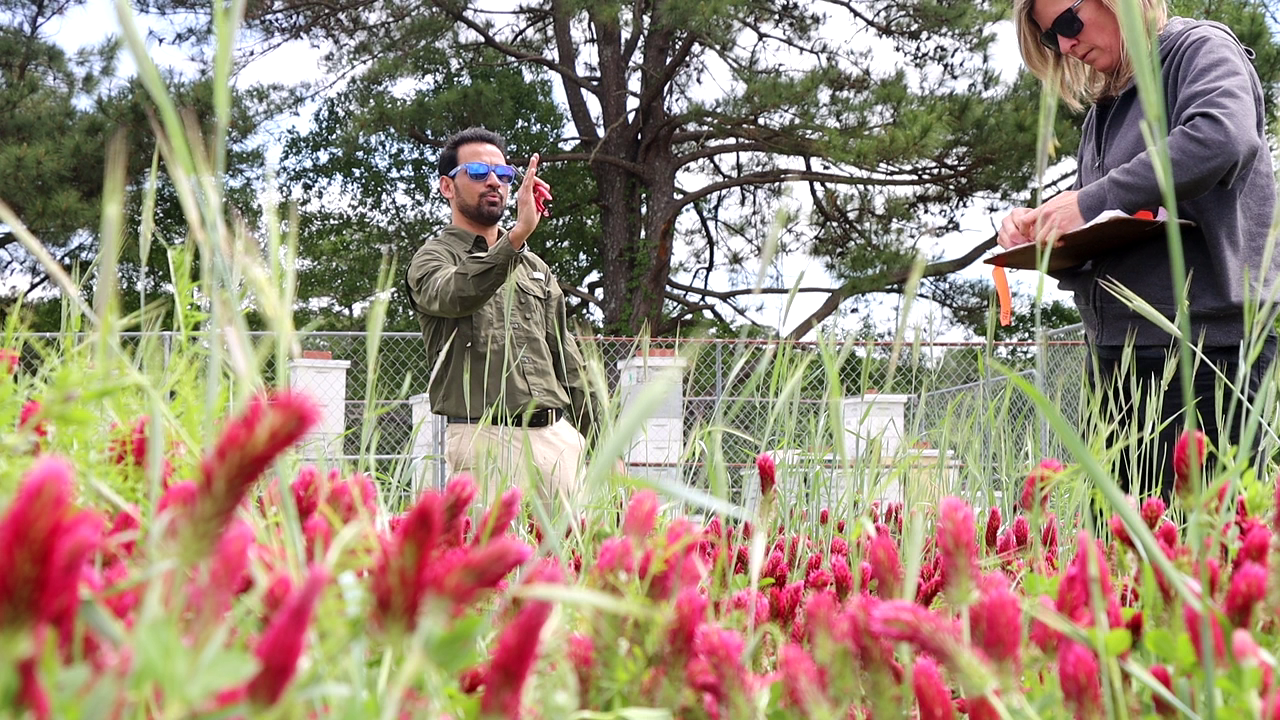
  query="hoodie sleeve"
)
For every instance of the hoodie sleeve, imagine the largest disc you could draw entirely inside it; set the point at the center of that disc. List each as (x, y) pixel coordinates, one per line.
(1213, 127)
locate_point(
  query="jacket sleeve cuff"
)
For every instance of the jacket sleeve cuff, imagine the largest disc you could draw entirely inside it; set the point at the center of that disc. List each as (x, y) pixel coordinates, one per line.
(502, 249)
(1092, 200)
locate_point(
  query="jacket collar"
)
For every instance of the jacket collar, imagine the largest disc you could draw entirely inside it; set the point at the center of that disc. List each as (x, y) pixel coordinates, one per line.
(465, 241)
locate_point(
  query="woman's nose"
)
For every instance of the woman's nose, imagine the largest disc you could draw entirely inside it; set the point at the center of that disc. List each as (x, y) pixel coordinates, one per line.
(1065, 44)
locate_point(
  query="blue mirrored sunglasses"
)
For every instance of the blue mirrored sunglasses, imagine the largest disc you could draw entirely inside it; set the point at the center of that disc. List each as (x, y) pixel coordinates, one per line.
(479, 172)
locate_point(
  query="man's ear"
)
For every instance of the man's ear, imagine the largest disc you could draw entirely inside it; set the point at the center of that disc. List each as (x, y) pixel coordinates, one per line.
(446, 188)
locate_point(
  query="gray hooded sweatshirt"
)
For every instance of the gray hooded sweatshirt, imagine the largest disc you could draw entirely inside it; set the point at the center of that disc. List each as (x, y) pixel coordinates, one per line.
(1223, 181)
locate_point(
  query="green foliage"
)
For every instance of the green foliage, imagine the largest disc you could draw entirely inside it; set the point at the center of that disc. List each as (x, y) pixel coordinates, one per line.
(58, 111)
(51, 158)
(672, 134)
(893, 129)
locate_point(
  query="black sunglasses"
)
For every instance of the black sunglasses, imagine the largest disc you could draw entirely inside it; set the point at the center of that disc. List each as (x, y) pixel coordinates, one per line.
(1068, 25)
(479, 172)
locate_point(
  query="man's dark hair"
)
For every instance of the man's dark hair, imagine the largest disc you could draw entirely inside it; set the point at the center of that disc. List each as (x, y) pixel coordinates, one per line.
(449, 156)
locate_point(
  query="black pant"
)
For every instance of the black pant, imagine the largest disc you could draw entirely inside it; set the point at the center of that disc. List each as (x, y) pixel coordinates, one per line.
(1147, 436)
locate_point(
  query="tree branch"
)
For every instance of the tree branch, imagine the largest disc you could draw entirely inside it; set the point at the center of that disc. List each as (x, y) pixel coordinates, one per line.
(742, 314)
(672, 323)
(886, 279)
(668, 73)
(637, 30)
(566, 72)
(745, 129)
(955, 306)
(730, 294)
(711, 246)
(690, 306)
(881, 28)
(782, 175)
(631, 167)
(582, 295)
(421, 138)
(38, 282)
(726, 149)
(567, 49)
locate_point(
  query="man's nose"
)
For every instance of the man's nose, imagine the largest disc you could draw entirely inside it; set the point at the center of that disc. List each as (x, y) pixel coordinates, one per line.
(491, 180)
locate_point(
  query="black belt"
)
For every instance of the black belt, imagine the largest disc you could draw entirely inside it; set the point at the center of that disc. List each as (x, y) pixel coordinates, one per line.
(537, 418)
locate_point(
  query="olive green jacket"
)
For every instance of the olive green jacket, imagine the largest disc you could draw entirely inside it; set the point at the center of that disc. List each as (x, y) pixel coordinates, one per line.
(495, 328)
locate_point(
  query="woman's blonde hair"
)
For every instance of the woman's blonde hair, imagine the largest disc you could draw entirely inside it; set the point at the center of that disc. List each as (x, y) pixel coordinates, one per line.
(1076, 83)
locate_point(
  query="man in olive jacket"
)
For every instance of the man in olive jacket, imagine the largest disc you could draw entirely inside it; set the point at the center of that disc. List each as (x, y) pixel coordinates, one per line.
(506, 371)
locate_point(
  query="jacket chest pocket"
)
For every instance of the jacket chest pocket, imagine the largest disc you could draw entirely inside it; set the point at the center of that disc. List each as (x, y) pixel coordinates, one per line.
(513, 317)
(528, 307)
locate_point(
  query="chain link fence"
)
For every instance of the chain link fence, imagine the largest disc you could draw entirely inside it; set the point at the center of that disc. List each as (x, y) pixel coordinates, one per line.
(754, 394)
(992, 408)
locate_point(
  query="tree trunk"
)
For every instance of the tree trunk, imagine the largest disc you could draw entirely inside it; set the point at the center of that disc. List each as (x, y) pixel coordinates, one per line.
(620, 235)
(656, 156)
(618, 187)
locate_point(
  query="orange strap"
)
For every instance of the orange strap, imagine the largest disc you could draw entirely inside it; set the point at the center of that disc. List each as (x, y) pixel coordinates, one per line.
(1002, 294)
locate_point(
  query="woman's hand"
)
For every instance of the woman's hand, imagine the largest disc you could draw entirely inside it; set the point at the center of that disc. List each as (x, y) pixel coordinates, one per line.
(1011, 234)
(1055, 218)
(1042, 225)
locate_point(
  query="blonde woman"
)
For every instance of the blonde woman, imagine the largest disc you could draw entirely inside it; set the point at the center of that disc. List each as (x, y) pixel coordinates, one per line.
(1223, 181)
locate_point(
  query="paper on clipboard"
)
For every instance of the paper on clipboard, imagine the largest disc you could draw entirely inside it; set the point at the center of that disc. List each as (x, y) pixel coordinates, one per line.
(1110, 231)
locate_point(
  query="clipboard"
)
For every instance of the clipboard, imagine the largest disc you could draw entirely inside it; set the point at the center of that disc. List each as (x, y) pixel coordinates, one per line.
(1106, 234)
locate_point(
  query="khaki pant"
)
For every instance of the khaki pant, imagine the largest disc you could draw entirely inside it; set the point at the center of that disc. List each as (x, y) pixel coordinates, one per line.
(549, 459)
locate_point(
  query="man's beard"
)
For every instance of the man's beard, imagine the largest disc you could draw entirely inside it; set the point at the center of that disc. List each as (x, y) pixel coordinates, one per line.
(481, 213)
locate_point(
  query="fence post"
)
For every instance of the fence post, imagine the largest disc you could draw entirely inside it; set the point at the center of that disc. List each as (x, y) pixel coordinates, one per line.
(427, 455)
(719, 371)
(1042, 385)
(442, 470)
